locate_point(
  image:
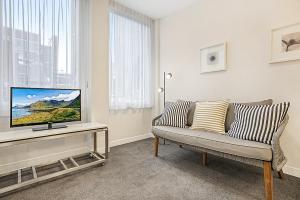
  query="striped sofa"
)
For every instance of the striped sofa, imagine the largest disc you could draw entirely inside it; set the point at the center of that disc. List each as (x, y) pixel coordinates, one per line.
(269, 157)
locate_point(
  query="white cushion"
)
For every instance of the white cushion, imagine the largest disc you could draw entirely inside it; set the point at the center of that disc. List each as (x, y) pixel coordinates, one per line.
(210, 116)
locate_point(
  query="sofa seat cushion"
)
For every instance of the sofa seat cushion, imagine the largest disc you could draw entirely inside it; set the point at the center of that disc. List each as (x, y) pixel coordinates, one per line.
(217, 142)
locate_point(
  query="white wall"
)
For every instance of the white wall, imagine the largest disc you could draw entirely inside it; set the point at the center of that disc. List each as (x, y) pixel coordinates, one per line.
(246, 26)
(125, 126)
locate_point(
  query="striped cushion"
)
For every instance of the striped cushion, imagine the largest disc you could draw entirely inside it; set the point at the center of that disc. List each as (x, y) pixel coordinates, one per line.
(257, 123)
(210, 116)
(175, 114)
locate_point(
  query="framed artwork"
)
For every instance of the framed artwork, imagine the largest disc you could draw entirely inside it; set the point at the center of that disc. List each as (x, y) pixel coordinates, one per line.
(213, 58)
(285, 43)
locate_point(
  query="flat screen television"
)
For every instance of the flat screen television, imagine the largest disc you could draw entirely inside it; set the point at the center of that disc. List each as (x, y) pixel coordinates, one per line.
(37, 106)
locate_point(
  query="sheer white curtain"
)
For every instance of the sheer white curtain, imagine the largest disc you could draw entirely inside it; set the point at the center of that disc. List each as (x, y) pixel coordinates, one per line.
(131, 45)
(43, 43)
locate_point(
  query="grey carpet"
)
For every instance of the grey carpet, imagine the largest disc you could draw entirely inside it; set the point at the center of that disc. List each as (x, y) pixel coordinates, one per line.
(133, 173)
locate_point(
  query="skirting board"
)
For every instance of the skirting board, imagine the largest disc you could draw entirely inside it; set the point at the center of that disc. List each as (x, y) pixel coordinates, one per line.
(293, 171)
(126, 141)
(129, 140)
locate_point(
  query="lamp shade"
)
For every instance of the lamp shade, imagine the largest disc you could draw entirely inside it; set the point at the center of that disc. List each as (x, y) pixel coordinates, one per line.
(169, 75)
(160, 90)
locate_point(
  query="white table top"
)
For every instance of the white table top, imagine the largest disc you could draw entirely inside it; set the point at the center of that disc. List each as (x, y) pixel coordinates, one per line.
(14, 135)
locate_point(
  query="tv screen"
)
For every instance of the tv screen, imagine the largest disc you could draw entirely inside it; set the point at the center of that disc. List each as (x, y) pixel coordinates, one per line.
(34, 106)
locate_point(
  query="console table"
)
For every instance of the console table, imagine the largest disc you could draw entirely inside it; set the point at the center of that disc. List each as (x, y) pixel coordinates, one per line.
(11, 138)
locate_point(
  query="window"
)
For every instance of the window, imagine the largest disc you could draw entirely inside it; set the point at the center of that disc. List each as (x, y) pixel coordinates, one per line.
(39, 44)
(130, 56)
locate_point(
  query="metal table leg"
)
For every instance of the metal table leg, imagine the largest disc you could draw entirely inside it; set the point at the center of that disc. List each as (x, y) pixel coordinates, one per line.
(106, 144)
(95, 142)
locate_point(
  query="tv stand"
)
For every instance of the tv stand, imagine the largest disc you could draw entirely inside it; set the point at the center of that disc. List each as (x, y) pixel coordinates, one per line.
(50, 126)
(18, 137)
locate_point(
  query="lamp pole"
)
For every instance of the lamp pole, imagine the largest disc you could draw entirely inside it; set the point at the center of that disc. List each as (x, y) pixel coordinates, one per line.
(164, 89)
(168, 76)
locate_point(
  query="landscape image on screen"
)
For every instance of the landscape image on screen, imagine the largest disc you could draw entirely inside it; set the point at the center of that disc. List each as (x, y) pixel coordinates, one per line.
(33, 106)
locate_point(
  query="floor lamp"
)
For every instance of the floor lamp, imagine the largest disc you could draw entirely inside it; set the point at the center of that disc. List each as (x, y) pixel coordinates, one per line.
(163, 90)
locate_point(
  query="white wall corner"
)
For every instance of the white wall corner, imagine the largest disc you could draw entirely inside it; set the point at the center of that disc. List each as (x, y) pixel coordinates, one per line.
(293, 171)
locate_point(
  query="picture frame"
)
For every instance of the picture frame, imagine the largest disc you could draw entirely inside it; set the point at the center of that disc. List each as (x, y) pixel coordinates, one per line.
(285, 43)
(213, 58)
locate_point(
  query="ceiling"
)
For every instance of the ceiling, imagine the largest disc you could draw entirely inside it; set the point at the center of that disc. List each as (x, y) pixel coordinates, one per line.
(157, 8)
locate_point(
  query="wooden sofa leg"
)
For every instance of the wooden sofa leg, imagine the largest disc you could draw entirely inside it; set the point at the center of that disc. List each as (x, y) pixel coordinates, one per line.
(156, 142)
(268, 180)
(204, 158)
(281, 174)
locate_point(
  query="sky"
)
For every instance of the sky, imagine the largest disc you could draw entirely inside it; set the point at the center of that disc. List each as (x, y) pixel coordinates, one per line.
(25, 96)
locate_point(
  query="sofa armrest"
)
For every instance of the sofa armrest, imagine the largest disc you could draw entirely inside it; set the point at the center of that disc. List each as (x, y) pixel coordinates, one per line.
(155, 119)
(279, 160)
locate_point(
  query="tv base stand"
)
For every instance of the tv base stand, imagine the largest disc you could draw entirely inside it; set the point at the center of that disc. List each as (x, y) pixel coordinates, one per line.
(50, 126)
(65, 165)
